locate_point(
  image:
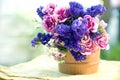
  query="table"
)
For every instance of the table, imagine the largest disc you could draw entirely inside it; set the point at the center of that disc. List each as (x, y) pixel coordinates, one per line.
(45, 68)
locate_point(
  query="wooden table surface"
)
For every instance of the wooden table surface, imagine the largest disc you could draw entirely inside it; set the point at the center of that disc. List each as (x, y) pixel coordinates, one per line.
(45, 68)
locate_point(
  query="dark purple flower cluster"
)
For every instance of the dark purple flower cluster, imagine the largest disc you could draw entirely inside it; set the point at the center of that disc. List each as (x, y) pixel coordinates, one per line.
(34, 41)
(78, 56)
(72, 44)
(79, 28)
(70, 35)
(45, 39)
(76, 9)
(64, 30)
(39, 12)
(96, 10)
(94, 35)
(41, 38)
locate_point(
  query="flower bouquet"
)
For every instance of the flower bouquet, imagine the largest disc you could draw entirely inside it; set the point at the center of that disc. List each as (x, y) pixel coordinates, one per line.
(77, 33)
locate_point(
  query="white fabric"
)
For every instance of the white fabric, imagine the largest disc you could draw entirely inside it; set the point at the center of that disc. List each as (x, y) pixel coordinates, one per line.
(46, 68)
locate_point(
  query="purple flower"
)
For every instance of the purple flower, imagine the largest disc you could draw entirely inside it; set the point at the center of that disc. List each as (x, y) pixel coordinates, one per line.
(39, 12)
(94, 35)
(39, 35)
(79, 27)
(69, 43)
(41, 38)
(78, 56)
(37, 39)
(34, 42)
(72, 44)
(76, 9)
(46, 38)
(70, 35)
(96, 10)
(63, 30)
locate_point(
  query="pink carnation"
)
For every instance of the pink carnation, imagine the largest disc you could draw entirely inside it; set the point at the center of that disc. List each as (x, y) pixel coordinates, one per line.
(85, 38)
(90, 47)
(63, 14)
(102, 41)
(93, 23)
(103, 24)
(88, 44)
(49, 9)
(49, 23)
(59, 55)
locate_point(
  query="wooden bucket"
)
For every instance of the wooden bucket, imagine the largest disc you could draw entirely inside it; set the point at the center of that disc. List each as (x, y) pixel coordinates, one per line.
(88, 66)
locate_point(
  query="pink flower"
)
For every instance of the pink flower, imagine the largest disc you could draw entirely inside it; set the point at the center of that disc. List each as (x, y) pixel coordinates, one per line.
(93, 23)
(49, 9)
(96, 24)
(80, 19)
(102, 41)
(63, 14)
(58, 56)
(49, 23)
(88, 44)
(90, 47)
(54, 56)
(103, 24)
(90, 23)
(85, 38)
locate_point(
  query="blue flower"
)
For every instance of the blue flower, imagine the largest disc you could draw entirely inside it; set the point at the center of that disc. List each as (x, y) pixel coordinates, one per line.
(39, 35)
(69, 43)
(70, 35)
(39, 12)
(96, 10)
(94, 35)
(41, 38)
(79, 27)
(45, 39)
(63, 30)
(34, 41)
(78, 56)
(78, 47)
(76, 9)
(72, 44)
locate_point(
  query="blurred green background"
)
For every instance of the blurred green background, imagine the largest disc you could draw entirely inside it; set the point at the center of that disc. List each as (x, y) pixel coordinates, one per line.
(18, 27)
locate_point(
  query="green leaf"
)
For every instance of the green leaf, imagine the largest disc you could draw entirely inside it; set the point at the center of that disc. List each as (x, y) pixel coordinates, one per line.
(100, 29)
(62, 49)
(60, 59)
